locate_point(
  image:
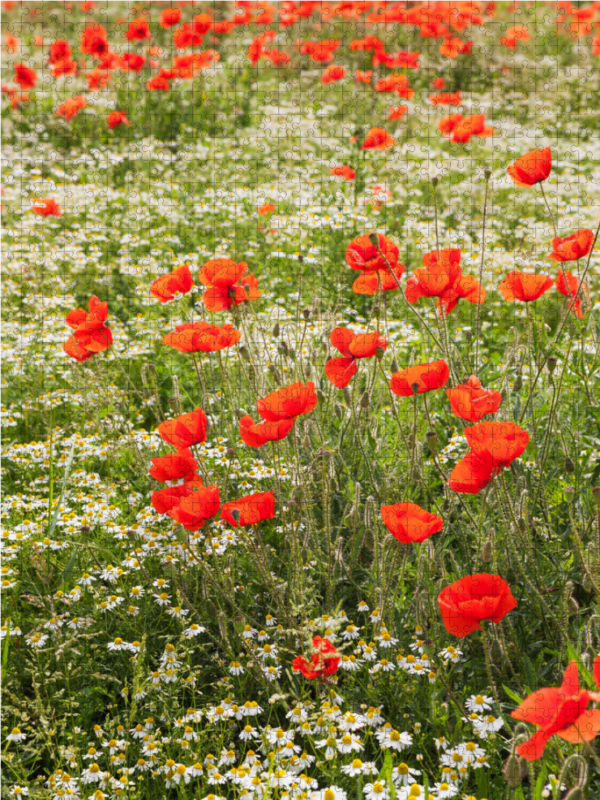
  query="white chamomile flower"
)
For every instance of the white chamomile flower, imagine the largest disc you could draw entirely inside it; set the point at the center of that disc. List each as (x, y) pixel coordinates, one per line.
(488, 724)
(349, 744)
(444, 790)
(332, 793)
(353, 769)
(451, 654)
(376, 791)
(479, 703)
(403, 775)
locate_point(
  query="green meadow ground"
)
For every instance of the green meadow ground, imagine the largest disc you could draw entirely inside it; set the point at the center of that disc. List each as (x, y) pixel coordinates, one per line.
(86, 558)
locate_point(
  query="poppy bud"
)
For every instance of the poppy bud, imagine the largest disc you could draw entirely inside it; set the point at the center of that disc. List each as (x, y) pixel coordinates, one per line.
(575, 794)
(569, 494)
(572, 605)
(301, 259)
(518, 383)
(230, 452)
(276, 330)
(306, 443)
(174, 405)
(339, 411)
(513, 770)
(468, 335)
(572, 330)
(379, 351)
(431, 438)
(306, 313)
(282, 349)
(487, 173)
(365, 400)
(374, 239)
(552, 362)
(394, 366)
(320, 396)
(275, 372)
(415, 388)
(235, 513)
(487, 551)
(347, 397)
(85, 529)
(596, 495)
(239, 412)
(586, 583)
(435, 180)
(244, 352)
(416, 475)
(152, 367)
(569, 466)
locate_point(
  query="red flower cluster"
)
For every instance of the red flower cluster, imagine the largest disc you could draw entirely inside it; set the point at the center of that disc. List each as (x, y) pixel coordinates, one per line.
(278, 410)
(494, 446)
(90, 334)
(324, 660)
(227, 284)
(352, 347)
(192, 337)
(442, 277)
(422, 377)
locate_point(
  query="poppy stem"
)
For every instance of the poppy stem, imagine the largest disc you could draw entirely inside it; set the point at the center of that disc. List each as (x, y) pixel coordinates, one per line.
(411, 307)
(552, 217)
(488, 174)
(488, 668)
(434, 183)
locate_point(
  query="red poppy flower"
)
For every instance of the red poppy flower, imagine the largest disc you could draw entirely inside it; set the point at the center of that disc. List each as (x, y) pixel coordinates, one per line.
(568, 285)
(465, 288)
(446, 99)
(288, 403)
(409, 523)
(473, 125)
(138, 30)
(531, 168)
(186, 430)
(438, 276)
(469, 601)
(333, 73)
(228, 285)
(382, 280)
(449, 123)
(324, 660)
(60, 51)
(366, 44)
(25, 76)
(94, 41)
(363, 256)
(97, 79)
(395, 83)
(397, 112)
(525, 286)
(438, 83)
(253, 508)
(71, 107)
(90, 334)
(378, 139)
(365, 76)
(572, 247)
(46, 207)
(471, 402)
(132, 62)
(180, 466)
(202, 23)
(186, 36)
(257, 434)
(158, 84)
(196, 508)
(400, 60)
(500, 442)
(561, 712)
(352, 347)
(63, 68)
(428, 377)
(267, 208)
(164, 500)
(343, 171)
(169, 17)
(514, 35)
(117, 118)
(200, 336)
(177, 282)
(472, 474)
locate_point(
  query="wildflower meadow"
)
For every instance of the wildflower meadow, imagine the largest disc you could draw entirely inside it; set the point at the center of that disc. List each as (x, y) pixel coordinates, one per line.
(300, 400)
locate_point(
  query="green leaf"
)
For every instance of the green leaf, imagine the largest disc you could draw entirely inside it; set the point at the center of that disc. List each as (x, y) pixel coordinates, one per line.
(539, 784)
(512, 695)
(5, 648)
